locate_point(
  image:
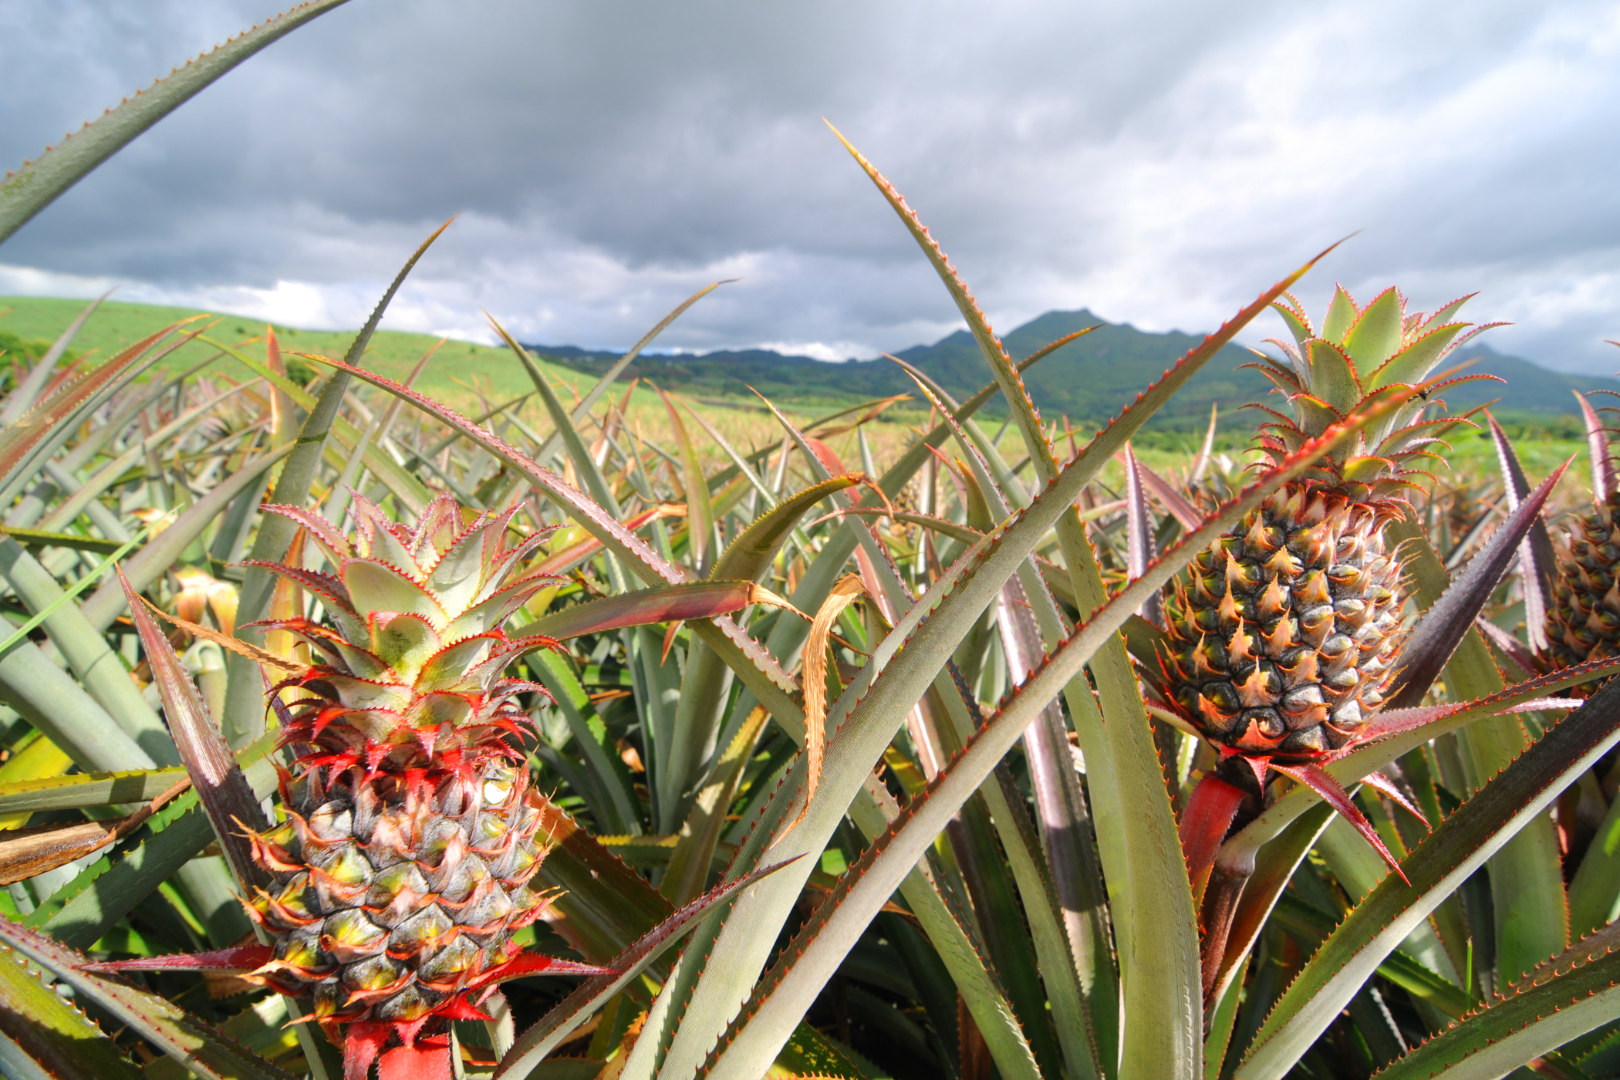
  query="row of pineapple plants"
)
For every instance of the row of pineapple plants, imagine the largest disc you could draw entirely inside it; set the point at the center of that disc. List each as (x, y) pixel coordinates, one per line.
(967, 763)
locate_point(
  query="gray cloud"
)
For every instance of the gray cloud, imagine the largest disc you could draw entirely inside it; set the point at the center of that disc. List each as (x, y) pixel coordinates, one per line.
(1158, 163)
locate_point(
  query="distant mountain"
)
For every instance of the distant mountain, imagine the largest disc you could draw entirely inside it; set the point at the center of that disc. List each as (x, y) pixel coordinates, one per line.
(1089, 379)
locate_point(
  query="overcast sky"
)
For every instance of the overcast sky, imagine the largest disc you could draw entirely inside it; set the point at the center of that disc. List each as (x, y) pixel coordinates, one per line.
(1159, 163)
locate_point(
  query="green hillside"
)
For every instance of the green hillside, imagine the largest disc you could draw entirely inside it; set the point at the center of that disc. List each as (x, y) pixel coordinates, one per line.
(451, 374)
(464, 375)
(1087, 380)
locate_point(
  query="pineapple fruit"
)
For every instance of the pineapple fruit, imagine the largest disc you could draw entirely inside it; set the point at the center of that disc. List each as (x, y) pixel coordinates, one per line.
(402, 866)
(1285, 633)
(1584, 618)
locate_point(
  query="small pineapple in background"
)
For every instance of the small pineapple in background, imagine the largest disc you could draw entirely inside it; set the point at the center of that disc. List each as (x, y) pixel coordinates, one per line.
(1583, 620)
(402, 867)
(1285, 633)
(1214, 476)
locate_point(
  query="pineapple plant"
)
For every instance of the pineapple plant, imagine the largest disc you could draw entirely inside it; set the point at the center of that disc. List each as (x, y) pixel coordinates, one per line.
(410, 838)
(1583, 619)
(1286, 630)
(402, 866)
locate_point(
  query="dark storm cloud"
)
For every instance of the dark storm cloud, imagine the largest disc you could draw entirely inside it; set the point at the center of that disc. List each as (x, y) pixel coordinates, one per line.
(1156, 163)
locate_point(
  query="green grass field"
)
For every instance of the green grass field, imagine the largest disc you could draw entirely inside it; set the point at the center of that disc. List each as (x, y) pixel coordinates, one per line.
(463, 374)
(466, 375)
(453, 369)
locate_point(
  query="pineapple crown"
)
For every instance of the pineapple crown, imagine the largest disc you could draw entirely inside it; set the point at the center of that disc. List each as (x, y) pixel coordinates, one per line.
(413, 641)
(1356, 356)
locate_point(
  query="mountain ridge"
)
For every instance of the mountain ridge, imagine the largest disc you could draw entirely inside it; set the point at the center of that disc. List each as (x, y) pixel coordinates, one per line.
(1088, 379)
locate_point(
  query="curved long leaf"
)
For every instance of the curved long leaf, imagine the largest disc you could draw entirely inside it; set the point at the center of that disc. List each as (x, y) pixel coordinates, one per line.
(37, 434)
(1064, 897)
(1449, 618)
(38, 182)
(699, 507)
(402, 483)
(1453, 851)
(823, 945)
(1152, 903)
(1040, 965)
(33, 384)
(750, 552)
(25, 853)
(86, 651)
(1538, 562)
(160, 553)
(84, 497)
(1564, 999)
(1594, 893)
(695, 845)
(643, 607)
(50, 699)
(107, 890)
(87, 789)
(1597, 447)
(964, 591)
(594, 394)
(742, 653)
(56, 1036)
(565, 1017)
(566, 428)
(222, 788)
(1529, 905)
(243, 719)
(178, 1033)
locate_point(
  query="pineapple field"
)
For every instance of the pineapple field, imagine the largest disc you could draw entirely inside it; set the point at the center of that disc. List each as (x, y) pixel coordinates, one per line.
(377, 706)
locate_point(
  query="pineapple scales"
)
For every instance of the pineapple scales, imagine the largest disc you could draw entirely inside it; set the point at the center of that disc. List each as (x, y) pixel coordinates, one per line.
(1285, 632)
(1583, 620)
(403, 864)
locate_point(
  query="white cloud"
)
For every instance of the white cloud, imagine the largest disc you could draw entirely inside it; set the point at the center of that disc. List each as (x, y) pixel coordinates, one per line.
(1159, 164)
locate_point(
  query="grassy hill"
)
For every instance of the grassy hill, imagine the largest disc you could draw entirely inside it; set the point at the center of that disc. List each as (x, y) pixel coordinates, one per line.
(393, 353)
(464, 375)
(1087, 380)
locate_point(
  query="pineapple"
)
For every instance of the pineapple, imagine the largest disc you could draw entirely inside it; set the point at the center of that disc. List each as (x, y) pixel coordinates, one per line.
(402, 866)
(1583, 620)
(1285, 633)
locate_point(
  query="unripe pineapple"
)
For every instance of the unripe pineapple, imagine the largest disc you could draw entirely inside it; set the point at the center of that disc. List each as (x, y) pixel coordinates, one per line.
(1285, 632)
(402, 866)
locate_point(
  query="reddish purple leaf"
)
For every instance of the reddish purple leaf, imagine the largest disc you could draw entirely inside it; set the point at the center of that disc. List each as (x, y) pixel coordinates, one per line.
(361, 1046)
(1443, 626)
(1538, 564)
(1508, 645)
(528, 964)
(1318, 780)
(1174, 501)
(1204, 822)
(44, 419)
(668, 603)
(419, 1061)
(224, 792)
(1379, 782)
(1597, 446)
(237, 960)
